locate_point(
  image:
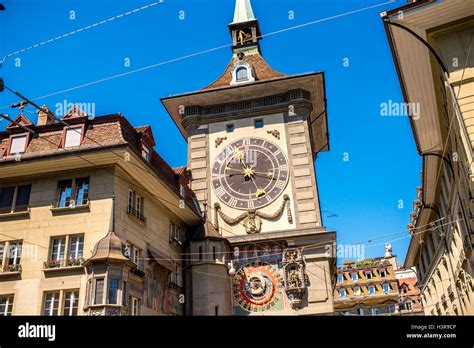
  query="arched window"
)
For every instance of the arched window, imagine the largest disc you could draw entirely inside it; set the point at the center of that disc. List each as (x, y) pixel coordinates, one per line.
(242, 74)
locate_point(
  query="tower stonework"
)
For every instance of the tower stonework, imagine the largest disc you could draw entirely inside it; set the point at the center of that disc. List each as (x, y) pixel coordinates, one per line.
(253, 136)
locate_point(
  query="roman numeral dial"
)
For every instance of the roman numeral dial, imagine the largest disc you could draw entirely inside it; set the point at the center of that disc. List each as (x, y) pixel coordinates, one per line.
(250, 173)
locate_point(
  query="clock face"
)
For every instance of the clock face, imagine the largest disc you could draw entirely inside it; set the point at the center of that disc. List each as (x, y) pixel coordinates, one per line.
(257, 286)
(250, 173)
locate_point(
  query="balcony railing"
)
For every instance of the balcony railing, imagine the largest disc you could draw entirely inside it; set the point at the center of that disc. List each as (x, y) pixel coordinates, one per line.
(59, 264)
(16, 268)
(136, 214)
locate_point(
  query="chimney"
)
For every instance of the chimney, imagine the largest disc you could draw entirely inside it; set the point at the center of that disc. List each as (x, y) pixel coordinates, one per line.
(45, 116)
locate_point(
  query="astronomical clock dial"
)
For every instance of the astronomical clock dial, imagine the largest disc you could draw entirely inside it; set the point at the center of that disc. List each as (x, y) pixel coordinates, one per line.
(256, 286)
(250, 173)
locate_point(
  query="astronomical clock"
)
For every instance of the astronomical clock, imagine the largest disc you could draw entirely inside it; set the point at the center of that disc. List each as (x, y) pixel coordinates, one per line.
(250, 173)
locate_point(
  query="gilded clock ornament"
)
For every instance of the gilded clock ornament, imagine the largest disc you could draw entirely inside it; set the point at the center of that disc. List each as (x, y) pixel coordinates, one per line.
(250, 173)
(257, 286)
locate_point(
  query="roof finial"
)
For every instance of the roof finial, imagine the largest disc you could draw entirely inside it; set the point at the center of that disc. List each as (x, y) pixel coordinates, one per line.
(243, 12)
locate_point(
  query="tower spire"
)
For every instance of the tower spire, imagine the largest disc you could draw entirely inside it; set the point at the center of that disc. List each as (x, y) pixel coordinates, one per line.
(243, 12)
(244, 29)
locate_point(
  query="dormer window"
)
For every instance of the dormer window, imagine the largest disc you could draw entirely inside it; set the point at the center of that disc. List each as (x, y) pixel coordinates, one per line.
(18, 144)
(146, 153)
(242, 73)
(73, 137)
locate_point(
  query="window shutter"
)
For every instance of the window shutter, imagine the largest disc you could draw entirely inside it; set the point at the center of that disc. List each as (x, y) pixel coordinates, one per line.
(18, 144)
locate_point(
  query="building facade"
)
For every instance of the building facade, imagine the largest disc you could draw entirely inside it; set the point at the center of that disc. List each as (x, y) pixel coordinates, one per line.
(253, 136)
(376, 286)
(409, 299)
(431, 44)
(92, 220)
(367, 287)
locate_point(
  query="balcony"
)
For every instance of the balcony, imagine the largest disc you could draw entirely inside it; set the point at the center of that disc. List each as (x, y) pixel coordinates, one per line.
(60, 265)
(10, 270)
(19, 210)
(135, 214)
(69, 205)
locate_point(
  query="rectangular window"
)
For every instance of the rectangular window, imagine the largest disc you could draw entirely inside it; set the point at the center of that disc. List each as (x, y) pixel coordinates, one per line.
(124, 294)
(136, 255)
(371, 290)
(357, 291)
(58, 247)
(340, 278)
(113, 290)
(374, 311)
(51, 303)
(146, 154)
(82, 191)
(135, 306)
(14, 253)
(391, 309)
(135, 205)
(200, 253)
(22, 198)
(73, 137)
(368, 275)
(14, 199)
(409, 306)
(230, 128)
(76, 246)
(342, 293)
(99, 291)
(71, 300)
(6, 305)
(6, 199)
(214, 254)
(354, 277)
(360, 311)
(130, 202)
(216, 310)
(182, 191)
(18, 144)
(383, 273)
(258, 123)
(386, 288)
(65, 193)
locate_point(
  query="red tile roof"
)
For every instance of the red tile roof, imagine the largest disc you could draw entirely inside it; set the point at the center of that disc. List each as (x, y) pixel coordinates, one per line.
(261, 70)
(101, 132)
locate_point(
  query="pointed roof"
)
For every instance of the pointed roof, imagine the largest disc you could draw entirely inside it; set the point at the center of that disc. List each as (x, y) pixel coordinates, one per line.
(20, 120)
(73, 112)
(109, 248)
(243, 12)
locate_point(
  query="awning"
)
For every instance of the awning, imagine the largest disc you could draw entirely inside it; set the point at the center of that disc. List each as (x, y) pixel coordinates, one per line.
(161, 259)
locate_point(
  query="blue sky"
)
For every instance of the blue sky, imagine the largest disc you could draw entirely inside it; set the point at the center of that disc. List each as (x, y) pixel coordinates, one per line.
(364, 192)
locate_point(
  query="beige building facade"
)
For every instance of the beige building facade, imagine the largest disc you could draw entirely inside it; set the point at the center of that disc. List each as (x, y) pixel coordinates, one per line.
(63, 196)
(431, 43)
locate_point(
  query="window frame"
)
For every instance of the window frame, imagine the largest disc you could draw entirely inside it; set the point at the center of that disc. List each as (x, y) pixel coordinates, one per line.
(71, 128)
(71, 303)
(356, 276)
(25, 145)
(342, 291)
(230, 128)
(386, 288)
(14, 199)
(371, 287)
(258, 123)
(146, 153)
(53, 301)
(340, 278)
(8, 304)
(134, 306)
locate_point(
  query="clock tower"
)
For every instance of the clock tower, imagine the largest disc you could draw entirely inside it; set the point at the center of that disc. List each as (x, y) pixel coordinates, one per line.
(253, 137)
